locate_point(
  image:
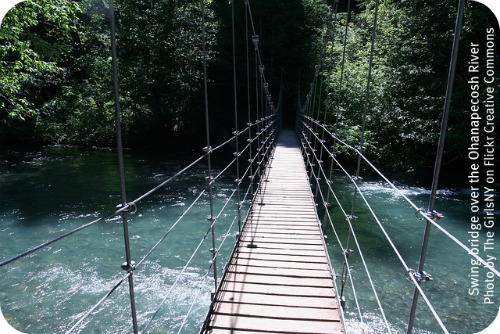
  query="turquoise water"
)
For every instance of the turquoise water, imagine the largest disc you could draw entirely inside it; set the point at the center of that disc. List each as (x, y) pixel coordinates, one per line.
(448, 264)
(52, 190)
(47, 192)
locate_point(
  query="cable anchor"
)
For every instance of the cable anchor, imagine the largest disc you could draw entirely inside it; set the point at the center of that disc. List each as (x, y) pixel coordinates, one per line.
(129, 267)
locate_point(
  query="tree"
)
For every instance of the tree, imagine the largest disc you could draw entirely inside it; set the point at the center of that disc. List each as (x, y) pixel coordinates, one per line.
(34, 39)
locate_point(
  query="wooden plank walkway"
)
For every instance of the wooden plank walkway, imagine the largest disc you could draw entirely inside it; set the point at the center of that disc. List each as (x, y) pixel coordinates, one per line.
(279, 279)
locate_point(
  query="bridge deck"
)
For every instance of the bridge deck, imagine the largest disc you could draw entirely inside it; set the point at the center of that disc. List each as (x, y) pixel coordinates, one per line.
(279, 279)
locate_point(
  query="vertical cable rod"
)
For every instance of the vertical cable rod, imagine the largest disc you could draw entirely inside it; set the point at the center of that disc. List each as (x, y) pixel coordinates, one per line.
(247, 38)
(342, 70)
(363, 128)
(208, 149)
(236, 127)
(334, 21)
(129, 265)
(439, 154)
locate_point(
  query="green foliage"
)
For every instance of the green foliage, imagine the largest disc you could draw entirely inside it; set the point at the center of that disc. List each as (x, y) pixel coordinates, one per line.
(34, 38)
(410, 68)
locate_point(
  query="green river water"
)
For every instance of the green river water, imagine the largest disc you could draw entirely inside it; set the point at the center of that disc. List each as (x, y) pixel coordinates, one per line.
(48, 191)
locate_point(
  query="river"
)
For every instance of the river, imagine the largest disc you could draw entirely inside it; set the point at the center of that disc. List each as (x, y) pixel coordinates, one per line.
(48, 191)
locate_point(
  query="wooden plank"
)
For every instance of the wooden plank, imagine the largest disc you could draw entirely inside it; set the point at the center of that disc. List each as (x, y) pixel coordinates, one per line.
(276, 311)
(283, 235)
(279, 280)
(263, 299)
(278, 251)
(277, 263)
(281, 258)
(222, 321)
(249, 243)
(280, 271)
(259, 239)
(278, 290)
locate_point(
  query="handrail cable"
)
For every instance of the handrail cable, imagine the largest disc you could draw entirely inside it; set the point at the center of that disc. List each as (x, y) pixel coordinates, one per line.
(419, 210)
(214, 252)
(129, 265)
(93, 308)
(171, 228)
(392, 245)
(119, 210)
(390, 242)
(344, 252)
(353, 234)
(184, 320)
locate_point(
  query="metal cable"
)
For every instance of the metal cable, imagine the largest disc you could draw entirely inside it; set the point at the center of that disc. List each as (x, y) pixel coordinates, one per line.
(419, 210)
(440, 151)
(130, 266)
(436, 316)
(207, 127)
(236, 125)
(344, 250)
(214, 252)
(351, 232)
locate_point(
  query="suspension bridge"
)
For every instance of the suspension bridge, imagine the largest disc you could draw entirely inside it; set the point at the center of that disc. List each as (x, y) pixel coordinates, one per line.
(278, 277)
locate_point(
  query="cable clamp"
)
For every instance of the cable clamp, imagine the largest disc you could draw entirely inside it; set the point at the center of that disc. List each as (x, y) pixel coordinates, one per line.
(236, 133)
(255, 40)
(129, 267)
(127, 208)
(346, 252)
(361, 148)
(422, 276)
(207, 149)
(211, 219)
(352, 218)
(434, 215)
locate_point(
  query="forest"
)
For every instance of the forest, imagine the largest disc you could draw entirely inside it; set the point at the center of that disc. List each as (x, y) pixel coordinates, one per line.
(56, 71)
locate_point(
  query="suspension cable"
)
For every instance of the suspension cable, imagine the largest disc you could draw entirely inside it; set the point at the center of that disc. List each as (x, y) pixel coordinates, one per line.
(236, 125)
(207, 127)
(247, 37)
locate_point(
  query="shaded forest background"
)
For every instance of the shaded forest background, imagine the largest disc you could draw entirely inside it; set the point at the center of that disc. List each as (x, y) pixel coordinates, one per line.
(56, 82)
